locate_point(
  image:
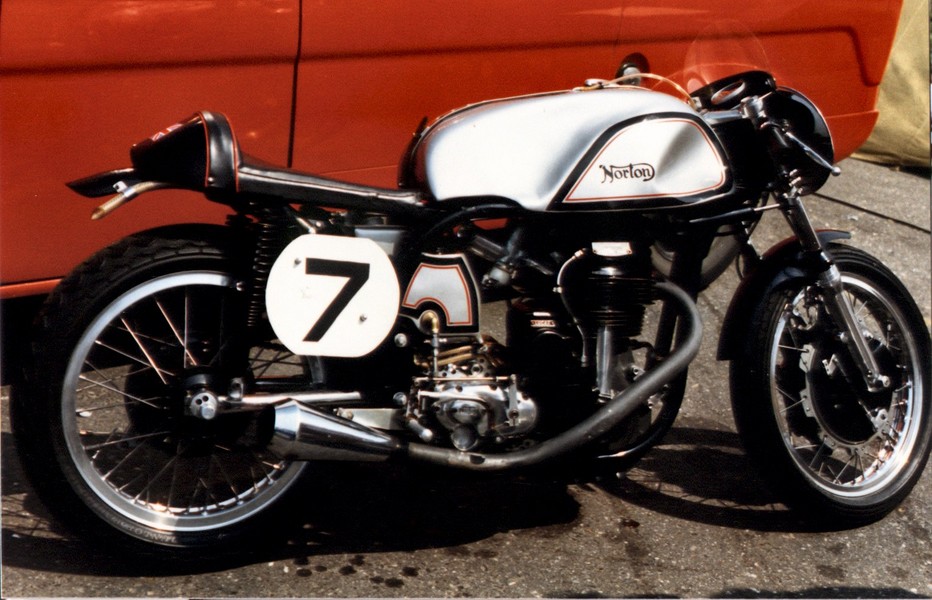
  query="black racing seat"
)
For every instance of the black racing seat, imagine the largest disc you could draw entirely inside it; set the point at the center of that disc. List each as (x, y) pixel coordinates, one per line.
(202, 153)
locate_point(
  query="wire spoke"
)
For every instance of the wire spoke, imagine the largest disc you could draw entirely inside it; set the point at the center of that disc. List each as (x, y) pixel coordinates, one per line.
(793, 399)
(807, 447)
(113, 433)
(124, 440)
(121, 462)
(105, 378)
(182, 338)
(145, 352)
(110, 388)
(148, 337)
(156, 477)
(851, 459)
(790, 348)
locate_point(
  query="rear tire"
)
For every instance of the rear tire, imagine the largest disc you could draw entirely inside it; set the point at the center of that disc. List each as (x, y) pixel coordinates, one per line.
(124, 346)
(826, 444)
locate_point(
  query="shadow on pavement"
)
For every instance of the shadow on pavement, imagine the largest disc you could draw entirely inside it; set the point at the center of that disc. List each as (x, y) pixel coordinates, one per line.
(841, 592)
(335, 509)
(822, 592)
(703, 475)
(697, 474)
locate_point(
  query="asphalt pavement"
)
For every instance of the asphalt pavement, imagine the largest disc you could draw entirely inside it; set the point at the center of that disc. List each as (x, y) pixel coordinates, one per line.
(691, 520)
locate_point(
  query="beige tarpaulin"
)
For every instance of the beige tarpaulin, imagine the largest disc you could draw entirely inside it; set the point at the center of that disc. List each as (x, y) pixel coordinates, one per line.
(902, 136)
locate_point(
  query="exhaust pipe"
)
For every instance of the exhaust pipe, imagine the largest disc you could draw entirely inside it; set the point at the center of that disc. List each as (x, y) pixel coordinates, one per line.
(601, 422)
(304, 433)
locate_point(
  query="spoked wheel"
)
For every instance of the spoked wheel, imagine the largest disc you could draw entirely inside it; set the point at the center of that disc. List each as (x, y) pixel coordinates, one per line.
(804, 411)
(123, 414)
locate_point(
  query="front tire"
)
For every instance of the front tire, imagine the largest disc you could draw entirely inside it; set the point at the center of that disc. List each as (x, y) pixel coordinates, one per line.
(105, 422)
(826, 444)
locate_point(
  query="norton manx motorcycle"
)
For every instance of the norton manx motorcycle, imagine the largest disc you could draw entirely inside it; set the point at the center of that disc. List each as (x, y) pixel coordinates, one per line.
(184, 378)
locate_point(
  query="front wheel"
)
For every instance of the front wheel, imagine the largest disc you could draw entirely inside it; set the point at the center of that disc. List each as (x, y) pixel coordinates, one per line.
(107, 422)
(824, 441)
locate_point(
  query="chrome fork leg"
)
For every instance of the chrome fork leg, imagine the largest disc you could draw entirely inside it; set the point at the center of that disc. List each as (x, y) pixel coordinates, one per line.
(837, 303)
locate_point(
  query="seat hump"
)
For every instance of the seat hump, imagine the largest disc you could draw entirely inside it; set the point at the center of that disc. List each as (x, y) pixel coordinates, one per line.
(200, 152)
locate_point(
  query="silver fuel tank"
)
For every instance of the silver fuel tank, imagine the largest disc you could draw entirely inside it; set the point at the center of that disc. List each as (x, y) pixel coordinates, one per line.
(607, 149)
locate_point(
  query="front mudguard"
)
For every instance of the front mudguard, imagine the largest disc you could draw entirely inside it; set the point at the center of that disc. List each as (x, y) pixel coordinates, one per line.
(783, 263)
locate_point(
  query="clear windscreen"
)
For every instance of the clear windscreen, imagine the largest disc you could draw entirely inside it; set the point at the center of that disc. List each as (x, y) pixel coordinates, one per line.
(723, 48)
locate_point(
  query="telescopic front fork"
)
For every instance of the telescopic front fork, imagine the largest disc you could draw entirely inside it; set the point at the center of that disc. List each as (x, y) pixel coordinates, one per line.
(837, 302)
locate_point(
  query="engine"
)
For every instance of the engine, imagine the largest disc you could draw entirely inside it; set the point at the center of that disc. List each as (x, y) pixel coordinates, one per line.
(466, 395)
(569, 346)
(607, 289)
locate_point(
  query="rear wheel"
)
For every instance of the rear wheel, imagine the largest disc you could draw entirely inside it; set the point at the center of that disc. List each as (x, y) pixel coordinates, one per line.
(114, 419)
(825, 441)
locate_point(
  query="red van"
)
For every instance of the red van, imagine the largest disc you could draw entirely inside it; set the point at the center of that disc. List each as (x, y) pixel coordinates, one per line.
(337, 87)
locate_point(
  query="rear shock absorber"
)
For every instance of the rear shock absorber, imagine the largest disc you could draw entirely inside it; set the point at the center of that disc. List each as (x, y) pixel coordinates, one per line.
(269, 234)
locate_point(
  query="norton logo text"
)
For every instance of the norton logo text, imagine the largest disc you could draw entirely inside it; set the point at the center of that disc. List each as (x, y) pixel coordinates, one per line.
(641, 171)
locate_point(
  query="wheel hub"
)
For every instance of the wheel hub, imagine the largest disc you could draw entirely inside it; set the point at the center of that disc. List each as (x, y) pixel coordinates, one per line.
(203, 405)
(200, 401)
(836, 397)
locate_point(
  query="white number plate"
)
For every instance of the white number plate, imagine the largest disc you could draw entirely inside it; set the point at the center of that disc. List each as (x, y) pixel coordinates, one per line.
(332, 296)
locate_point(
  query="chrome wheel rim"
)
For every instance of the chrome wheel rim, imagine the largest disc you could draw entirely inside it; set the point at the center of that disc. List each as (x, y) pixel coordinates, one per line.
(844, 440)
(123, 417)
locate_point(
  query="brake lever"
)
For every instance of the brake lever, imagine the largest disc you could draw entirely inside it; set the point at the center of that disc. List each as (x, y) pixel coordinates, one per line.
(810, 152)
